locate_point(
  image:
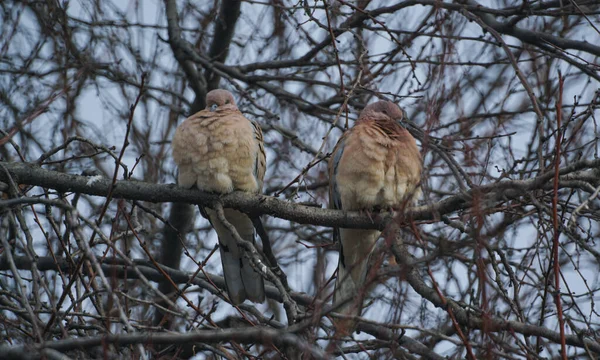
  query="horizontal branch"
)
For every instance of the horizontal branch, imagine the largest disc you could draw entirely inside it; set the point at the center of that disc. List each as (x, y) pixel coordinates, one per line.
(258, 334)
(29, 174)
(383, 333)
(119, 268)
(528, 36)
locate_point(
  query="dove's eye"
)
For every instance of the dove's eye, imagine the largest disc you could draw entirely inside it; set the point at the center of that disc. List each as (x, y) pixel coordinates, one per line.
(213, 107)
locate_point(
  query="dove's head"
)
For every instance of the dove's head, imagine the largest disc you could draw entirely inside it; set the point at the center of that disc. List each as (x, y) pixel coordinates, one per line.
(384, 110)
(219, 98)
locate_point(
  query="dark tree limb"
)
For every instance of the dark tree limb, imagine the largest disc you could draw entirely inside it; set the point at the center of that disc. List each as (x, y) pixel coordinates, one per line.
(178, 44)
(260, 335)
(494, 194)
(535, 38)
(229, 12)
(119, 268)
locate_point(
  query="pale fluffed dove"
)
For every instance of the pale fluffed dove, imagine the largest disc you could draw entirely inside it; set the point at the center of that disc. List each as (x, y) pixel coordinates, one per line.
(219, 150)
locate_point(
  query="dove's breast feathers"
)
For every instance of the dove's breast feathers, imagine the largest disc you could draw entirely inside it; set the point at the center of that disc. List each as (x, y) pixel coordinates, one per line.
(218, 152)
(376, 169)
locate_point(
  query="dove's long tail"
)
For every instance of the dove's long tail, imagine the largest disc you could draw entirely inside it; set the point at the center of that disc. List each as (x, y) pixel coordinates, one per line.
(242, 281)
(353, 266)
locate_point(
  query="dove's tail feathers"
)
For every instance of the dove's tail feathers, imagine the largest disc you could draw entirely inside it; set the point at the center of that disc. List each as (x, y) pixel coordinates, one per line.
(242, 281)
(253, 282)
(356, 247)
(231, 272)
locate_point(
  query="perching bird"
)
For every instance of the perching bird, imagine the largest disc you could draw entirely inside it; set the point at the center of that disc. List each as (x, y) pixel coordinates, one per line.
(219, 150)
(374, 165)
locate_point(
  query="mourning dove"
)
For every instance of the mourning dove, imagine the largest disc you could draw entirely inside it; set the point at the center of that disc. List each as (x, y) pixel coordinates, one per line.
(219, 150)
(376, 164)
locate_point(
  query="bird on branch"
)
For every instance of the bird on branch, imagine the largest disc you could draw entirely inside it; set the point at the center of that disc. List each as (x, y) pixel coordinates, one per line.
(375, 165)
(219, 150)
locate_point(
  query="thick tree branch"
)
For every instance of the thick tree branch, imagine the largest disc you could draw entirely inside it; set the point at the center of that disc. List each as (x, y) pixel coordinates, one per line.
(535, 38)
(410, 344)
(495, 193)
(260, 335)
(229, 12)
(195, 78)
(118, 267)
